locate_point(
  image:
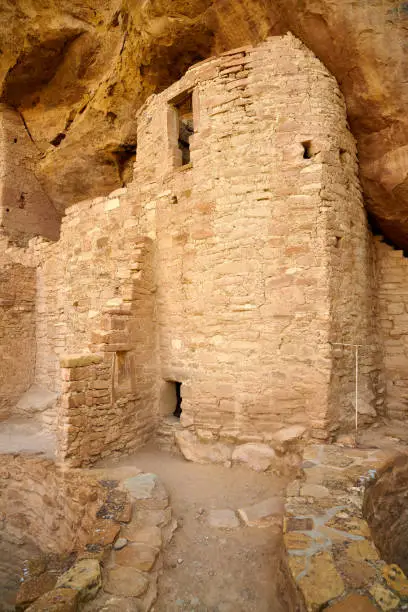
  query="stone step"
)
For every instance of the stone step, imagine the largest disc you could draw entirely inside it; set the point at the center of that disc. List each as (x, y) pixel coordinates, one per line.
(165, 434)
(38, 403)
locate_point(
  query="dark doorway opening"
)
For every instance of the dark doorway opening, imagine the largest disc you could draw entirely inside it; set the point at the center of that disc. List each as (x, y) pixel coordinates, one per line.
(177, 412)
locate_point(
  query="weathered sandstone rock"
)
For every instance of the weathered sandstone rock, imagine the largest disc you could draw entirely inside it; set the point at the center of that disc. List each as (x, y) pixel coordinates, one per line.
(357, 603)
(84, 577)
(316, 591)
(78, 72)
(193, 450)
(284, 437)
(57, 600)
(123, 604)
(32, 588)
(126, 581)
(384, 598)
(143, 535)
(120, 543)
(147, 491)
(140, 556)
(259, 457)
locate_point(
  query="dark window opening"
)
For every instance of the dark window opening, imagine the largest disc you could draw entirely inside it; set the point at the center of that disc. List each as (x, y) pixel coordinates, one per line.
(125, 156)
(307, 149)
(58, 139)
(177, 412)
(186, 127)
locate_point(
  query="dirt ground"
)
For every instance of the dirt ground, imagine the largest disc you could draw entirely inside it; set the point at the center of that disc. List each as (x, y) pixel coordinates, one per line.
(389, 435)
(207, 569)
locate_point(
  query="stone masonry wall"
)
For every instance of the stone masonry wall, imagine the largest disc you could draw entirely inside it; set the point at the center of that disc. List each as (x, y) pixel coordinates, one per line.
(17, 333)
(234, 274)
(106, 305)
(97, 417)
(43, 509)
(246, 237)
(392, 273)
(95, 295)
(55, 509)
(25, 208)
(352, 292)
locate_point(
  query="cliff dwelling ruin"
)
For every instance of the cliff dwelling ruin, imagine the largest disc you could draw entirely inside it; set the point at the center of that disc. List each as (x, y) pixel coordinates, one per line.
(213, 306)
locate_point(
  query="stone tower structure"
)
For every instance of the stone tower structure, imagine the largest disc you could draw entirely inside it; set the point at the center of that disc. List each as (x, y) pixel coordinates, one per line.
(233, 272)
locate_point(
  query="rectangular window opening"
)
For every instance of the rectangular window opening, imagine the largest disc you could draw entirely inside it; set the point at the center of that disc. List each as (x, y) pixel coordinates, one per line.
(186, 126)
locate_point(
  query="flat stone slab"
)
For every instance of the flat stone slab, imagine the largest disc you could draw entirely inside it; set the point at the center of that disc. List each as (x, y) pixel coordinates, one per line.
(147, 517)
(288, 434)
(126, 581)
(396, 579)
(147, 490)
(79, 360)
(34, 587)
(141, 486)
(259, 457)
(385, 598)
(120, 543)
(140, 556)
(317, 591)
(84, 577)
(150, 535)
(223, 519)
(104, 532)
(354, 603)
(116, 604)
(314, 490)
(59, 600)
(263, 514)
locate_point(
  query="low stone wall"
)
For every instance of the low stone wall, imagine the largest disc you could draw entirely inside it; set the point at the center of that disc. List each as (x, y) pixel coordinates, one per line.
(330, 548)
(55, 507)
(100, 535)
(96, 415)
(42, 508)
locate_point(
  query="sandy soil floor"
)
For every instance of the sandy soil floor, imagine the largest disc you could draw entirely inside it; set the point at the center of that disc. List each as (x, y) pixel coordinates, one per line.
(207, 569)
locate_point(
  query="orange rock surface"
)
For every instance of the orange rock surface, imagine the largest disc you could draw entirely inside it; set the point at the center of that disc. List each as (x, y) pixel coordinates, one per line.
(78, 72)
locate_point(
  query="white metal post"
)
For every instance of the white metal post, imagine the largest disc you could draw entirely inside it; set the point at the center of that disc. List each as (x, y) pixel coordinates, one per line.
(356, 346)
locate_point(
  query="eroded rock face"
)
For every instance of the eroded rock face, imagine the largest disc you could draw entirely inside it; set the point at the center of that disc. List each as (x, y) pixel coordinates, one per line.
(386, 511)
(78, 72)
